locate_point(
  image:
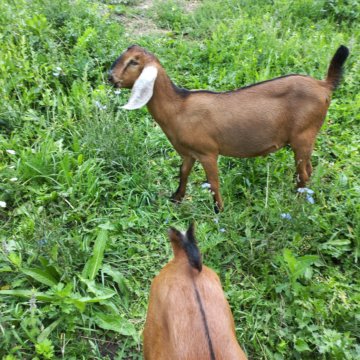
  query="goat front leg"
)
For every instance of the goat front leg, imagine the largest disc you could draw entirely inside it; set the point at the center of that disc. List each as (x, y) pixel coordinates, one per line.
(211, 170)
(185, 168)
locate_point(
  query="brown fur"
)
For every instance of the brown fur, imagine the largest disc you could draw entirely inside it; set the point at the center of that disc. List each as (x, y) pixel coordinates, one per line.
(174, 328)
(247, 122)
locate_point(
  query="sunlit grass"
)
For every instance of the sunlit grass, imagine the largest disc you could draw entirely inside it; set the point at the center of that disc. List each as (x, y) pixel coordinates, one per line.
(81, 178)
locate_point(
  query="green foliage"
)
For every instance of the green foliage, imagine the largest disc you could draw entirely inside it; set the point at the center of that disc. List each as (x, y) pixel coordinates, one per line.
(86, 187)
(45, 349)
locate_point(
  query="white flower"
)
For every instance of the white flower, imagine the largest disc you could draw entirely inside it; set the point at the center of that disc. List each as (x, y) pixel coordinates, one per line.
(100, 106)
(305, 190)
(13, 179)
(308, 193)
(58, 72)
(310, 199)
(3, 204)
(216, 220)
(11, 152)
(117, 92)
(222, 230)
(206, 186)
(32, 302)
(286, 216)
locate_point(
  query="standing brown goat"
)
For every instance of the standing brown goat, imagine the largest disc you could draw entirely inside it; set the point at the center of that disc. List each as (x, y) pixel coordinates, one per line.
(188, 316)
(250, 121)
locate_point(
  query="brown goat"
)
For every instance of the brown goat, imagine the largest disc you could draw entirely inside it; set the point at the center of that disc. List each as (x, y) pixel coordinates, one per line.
(188, 316)
(247, 122)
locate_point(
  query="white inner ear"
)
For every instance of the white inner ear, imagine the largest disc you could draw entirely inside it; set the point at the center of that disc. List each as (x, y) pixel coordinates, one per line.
(143, 88)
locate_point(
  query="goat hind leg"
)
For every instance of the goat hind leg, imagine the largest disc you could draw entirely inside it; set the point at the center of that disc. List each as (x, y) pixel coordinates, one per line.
(303, 165)
(309, 168)
(185, 168)
(302, 146)
(211, 170)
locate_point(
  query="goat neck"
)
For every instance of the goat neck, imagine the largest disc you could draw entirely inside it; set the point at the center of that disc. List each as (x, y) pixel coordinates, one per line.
(165, 102)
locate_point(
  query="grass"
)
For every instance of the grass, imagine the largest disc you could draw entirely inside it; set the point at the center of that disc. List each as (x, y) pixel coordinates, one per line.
(84, 228)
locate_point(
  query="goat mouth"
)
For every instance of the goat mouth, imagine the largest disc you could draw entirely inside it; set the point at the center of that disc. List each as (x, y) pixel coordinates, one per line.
(115, 84)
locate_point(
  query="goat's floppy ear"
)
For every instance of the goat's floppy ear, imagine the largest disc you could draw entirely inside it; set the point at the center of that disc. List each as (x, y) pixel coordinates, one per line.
(143, 88)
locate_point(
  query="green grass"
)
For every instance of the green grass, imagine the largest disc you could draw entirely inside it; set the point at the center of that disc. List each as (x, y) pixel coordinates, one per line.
(86, 192)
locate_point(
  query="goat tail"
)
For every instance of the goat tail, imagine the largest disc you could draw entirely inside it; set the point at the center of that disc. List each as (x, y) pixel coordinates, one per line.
(187, 242)
(335, 70)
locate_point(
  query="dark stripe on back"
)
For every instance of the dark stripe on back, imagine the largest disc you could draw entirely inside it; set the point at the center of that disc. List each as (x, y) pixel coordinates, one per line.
(184, 92)
(203, 316)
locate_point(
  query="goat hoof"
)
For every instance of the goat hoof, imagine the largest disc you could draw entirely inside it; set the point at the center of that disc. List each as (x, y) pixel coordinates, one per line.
(218, 208)
(175, 198)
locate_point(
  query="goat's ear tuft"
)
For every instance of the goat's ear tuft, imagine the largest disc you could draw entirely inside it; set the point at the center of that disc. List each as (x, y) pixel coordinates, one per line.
(175, 235)
(143, 88)
(190, 233)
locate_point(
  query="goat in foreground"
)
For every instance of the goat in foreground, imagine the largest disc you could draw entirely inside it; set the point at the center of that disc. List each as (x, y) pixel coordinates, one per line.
(247, 122)
(188, 316)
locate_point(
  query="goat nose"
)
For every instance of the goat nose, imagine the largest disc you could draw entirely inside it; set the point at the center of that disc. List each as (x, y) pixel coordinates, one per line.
(110, 78)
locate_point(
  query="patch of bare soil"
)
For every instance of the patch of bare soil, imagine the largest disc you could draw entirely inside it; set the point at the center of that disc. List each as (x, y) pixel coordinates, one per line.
(140, 24)
(191, 5)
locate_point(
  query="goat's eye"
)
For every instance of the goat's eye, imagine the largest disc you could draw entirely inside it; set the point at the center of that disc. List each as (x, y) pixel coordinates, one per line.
(133, 62)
